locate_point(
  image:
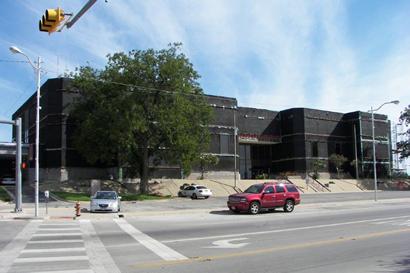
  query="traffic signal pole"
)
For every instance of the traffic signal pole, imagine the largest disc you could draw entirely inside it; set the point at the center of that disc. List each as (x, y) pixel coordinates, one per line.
(56, 19)
(86, 7)
(17, 195)
(18, 166)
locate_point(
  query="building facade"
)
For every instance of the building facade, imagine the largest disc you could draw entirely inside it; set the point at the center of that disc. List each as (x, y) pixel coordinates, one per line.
(256, 141)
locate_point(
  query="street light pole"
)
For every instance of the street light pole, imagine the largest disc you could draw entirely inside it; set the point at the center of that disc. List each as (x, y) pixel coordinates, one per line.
(234, 144)
(374, 144)
(37, 169)
(36, 67)
(374, 157)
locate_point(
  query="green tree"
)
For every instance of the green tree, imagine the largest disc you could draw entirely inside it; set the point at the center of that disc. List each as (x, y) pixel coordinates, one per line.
(403, 147)
(143, 108)
(206, 161)
(316, 166)
(337, 161)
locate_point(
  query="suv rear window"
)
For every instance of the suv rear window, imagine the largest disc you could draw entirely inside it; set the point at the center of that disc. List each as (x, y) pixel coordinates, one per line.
(280, 188)
(291, 188)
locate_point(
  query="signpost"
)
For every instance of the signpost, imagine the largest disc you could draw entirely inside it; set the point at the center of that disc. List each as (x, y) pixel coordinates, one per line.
(47, 196)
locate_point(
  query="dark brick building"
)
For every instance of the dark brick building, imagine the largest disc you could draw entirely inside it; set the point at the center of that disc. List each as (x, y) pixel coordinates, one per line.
(268, 142)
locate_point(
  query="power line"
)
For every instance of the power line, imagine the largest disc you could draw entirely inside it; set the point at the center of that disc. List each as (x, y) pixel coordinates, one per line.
(17, 100)
(12, 61)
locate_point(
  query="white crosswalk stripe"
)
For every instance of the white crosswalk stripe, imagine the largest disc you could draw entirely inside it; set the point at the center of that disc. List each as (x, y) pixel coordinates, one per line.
(37, 249)
(54, 241)
(76, 247)
(57, 234)
(158, 248)
(59, 229)
(50, 259)
(53, 250)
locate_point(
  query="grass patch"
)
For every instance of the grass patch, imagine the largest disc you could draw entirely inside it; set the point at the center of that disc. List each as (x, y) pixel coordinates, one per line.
(4, 196)
(142, 197)
(70, 196)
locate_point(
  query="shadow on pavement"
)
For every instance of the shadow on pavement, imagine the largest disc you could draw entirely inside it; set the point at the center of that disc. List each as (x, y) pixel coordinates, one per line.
(228, 212)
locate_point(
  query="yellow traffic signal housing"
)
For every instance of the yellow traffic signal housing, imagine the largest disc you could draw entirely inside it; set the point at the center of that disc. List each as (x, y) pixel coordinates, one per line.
(51, 20)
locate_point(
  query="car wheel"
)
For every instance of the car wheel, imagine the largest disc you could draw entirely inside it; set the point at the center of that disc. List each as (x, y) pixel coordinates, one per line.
(180, 194)
(289, 206)
(194, 196)
(254, 207)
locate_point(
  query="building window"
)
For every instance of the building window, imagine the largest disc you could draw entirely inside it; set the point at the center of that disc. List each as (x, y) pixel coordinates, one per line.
(224, 144)
(338, 149)
(315, 149)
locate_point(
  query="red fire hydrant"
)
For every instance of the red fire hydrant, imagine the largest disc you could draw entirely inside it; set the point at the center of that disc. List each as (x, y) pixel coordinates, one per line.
(77, 209)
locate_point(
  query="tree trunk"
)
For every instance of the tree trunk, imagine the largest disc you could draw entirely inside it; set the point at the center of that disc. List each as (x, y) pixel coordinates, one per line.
(144, 172)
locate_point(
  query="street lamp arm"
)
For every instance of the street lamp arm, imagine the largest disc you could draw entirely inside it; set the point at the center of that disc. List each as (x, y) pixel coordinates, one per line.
(377, 109)
(16, 50)
(389, 102)
(29, 61)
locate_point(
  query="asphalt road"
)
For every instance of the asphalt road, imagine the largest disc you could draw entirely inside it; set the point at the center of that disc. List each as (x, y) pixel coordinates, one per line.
(220, 202)
(354, 236)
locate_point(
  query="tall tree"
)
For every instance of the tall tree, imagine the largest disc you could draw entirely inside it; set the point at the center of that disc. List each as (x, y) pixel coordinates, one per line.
(143, 108)
(403, 147)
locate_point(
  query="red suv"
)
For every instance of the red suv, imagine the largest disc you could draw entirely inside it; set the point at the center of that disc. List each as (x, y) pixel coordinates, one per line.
(265, 196)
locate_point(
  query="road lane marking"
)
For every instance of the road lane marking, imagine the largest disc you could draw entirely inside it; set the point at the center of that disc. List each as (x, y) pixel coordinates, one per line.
(156, 264)
(59, 229)
(100, 260)
(407, 223)
(50, 259)
(228, 244)
(58, 224)
(56, 234)
(11, 251)
(384, 222)
(52, 250)
(279, 230)
(54, 241)
(155, 246)
(67, 271)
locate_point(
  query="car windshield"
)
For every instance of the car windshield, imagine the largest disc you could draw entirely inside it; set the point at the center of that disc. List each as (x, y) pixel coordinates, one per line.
(106, 195)
(255, 189)
(201, 187)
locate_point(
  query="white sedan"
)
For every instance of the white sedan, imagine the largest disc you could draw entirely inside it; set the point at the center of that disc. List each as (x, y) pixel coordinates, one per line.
(195, 191)
(105, 201)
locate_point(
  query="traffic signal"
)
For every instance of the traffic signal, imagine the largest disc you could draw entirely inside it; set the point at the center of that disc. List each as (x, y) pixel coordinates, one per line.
(51, 20)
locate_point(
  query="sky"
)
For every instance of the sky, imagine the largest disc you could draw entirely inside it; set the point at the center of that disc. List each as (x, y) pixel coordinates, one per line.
(331, 55)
